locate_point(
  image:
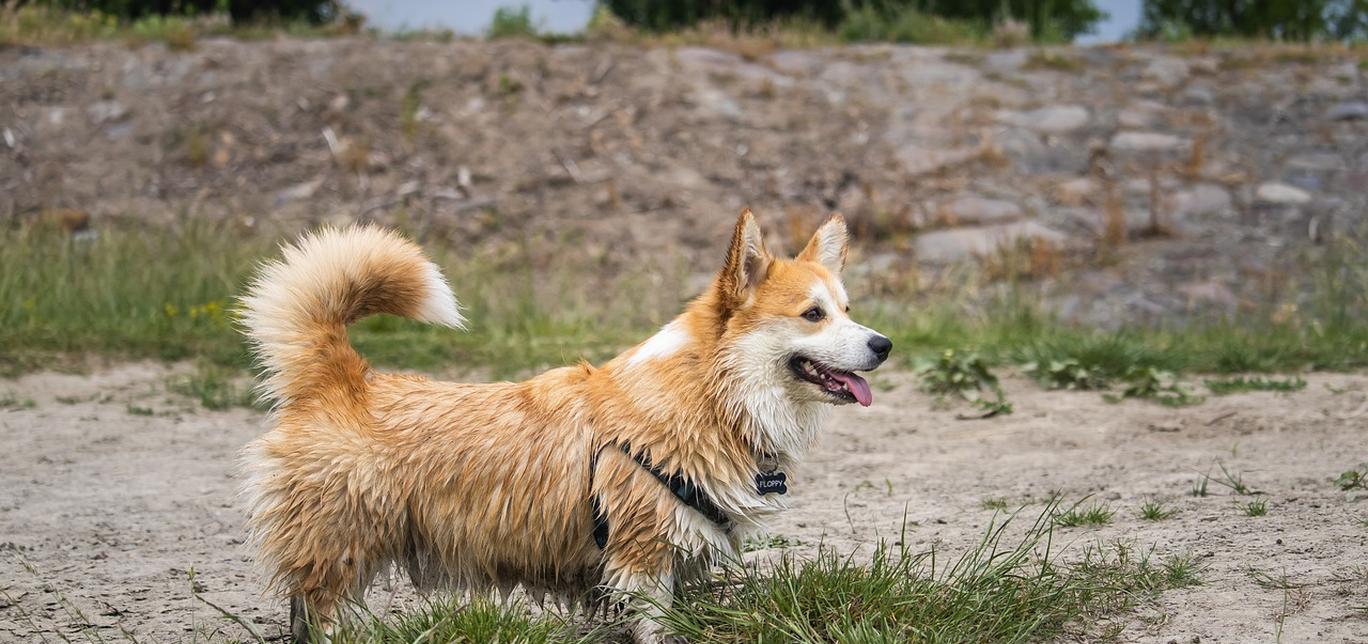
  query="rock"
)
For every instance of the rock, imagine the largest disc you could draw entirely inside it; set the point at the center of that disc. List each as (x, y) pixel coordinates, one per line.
(297, 192)
(1076, 192)
(917, 159)
(946, 246)
(976, 210)
(1348, 111)
(1147, 142)
(106, 111)
(1199, 96)
(1053, 119)
(1281, 194)
(1203, 199)
(1168, 72)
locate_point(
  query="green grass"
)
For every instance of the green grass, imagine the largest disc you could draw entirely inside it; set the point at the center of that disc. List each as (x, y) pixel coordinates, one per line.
(10, 401)
(1239, 384)
(999, 591)
(1094, 515)
(1155, 511)
(168, 293)
(1012, 586)
(35, 24)
(1255, 508)
(476, 622)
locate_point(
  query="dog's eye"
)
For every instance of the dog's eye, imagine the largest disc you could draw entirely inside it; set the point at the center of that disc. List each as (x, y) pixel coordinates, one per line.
(814, 314)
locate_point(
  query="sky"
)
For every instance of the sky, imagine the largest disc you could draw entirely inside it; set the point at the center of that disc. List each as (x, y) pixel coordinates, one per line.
(562, 16)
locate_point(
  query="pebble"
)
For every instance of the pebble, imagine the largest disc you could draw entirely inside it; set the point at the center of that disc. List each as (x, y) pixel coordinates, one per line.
(1147, 142)
(1281, 194)
(1350, 111)
(973, 209)
(956, 244)
(1053, 119)
(1167, 71)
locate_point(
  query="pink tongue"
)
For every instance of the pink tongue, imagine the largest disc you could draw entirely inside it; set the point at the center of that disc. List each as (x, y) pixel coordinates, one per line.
(857, 386)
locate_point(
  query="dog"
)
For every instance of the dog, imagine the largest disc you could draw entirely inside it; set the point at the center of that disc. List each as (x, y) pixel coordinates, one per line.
(617, 481)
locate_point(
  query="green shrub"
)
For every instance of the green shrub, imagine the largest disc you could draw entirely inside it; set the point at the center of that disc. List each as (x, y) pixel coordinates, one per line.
(510, 23)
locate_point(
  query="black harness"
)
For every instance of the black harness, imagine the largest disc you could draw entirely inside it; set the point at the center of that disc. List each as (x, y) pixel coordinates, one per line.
(682, 488)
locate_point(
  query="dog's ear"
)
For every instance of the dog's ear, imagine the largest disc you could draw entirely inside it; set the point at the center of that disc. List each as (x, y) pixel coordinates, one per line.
(828, 245)
(747, 260)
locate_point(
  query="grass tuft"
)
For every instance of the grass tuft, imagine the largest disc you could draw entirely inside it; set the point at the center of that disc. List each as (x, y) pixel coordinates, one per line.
(463, 623)
(998, 591)
(1155, 511)
(1255, 508)
(1094, 515)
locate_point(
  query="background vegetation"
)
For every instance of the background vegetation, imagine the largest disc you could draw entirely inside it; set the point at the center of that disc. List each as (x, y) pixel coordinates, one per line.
(908, 21)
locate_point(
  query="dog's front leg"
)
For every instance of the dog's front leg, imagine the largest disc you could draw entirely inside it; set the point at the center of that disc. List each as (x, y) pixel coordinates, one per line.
(651, 596)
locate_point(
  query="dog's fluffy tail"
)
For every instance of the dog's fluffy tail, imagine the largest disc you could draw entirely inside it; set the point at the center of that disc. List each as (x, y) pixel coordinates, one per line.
(296, 311)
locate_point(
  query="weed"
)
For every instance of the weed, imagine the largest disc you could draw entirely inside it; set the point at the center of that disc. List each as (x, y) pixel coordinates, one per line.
(995, 504)
(1255, 508)
(964, 374)
(215, 387)
(1155, 511)
(769, 542)
(1354, 479)
(1199, 487)
(1093, 515)
(10, 401)
(1234, 481)
(70, 400)
(1054, 60)
(1065, 374)
(1226, 386)
(140, 411)
(1269, 582)
(1155, 385)
(410, 107)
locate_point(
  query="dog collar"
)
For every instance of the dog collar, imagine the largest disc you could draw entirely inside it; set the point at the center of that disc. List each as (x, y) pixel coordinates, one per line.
(767, 481)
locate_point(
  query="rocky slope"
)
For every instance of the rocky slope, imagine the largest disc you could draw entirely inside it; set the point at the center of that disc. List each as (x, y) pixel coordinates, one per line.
(1149, 182)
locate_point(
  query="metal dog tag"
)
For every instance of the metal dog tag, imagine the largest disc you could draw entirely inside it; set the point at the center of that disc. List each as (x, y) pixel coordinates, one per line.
(771, 483)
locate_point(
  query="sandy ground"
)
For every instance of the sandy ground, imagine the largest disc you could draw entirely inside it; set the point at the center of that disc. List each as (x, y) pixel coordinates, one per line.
(105, 511)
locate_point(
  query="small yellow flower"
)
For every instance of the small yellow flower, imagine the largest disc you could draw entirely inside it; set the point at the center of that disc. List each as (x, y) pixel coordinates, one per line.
(170, 310)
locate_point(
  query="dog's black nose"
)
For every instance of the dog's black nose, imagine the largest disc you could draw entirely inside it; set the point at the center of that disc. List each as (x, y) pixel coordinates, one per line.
(880, 346)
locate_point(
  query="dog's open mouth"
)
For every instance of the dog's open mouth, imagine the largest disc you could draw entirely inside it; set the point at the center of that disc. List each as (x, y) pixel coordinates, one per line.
(841, 384)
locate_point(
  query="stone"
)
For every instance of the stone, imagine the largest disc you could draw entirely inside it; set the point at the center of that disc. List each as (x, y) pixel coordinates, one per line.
(298, 191)
(976, 210)
(1166, 71)
(1281, 194)
(1202, 199)
(1348, 111)
(958, 244)
(106, 111)
(1147, 142)
(1053, 119)
(1076, 192)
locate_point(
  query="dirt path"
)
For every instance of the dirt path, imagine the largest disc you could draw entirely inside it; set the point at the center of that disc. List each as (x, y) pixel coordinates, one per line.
(105, 509)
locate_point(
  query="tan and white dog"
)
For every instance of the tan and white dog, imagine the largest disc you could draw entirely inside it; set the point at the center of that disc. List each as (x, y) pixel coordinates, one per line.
(625, 478)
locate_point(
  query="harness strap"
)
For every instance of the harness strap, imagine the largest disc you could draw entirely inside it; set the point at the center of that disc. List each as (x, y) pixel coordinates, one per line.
(683, 489)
